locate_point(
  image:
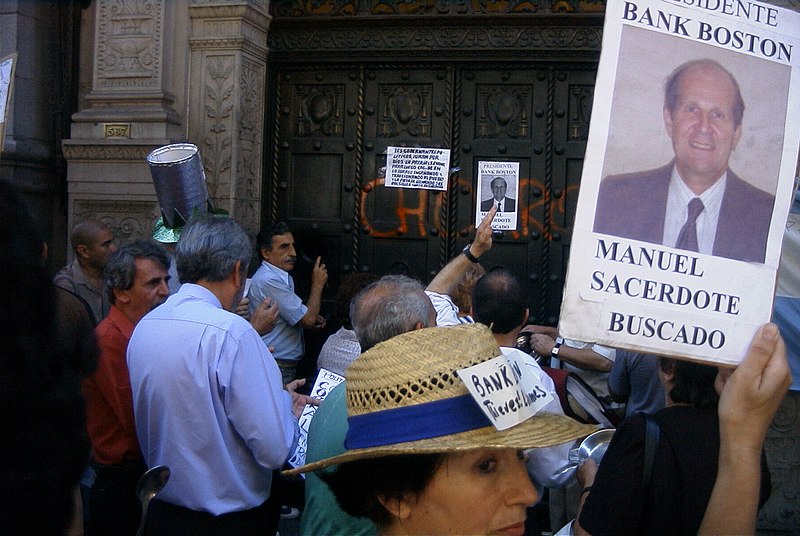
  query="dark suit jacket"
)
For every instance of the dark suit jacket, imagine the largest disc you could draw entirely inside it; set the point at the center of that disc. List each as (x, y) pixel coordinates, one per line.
(509, 205)
(634, 206)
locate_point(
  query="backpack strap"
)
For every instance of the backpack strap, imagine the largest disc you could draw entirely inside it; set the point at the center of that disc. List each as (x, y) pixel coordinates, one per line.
(652, 433)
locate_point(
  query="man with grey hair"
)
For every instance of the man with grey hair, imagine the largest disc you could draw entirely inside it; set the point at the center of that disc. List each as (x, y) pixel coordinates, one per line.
(92, 242)
(136, 280)
(392, 305)
(208, 398)
(695, 202)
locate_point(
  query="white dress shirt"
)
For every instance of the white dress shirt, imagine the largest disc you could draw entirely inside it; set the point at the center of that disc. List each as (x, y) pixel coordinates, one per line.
(208, 403)
(678, 198)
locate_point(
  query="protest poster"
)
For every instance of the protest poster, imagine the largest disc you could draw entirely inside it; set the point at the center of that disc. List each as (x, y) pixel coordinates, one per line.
(417, 167)
(326, 380)
(507, 388)
(705, 96)
(7, 68)
(498, 184)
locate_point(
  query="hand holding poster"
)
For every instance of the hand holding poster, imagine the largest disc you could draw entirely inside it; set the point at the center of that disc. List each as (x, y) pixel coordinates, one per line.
(326, 380)
(676, 243)
(417, 167)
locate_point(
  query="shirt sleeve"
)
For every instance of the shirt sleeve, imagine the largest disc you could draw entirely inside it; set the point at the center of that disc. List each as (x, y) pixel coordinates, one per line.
(619, 377)
(290, 306)
(255, 402)
(544, 462)
(446, 309)
(110, 381)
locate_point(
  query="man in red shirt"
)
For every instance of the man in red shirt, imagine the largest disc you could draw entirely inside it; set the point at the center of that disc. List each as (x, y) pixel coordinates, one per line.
(135, 278)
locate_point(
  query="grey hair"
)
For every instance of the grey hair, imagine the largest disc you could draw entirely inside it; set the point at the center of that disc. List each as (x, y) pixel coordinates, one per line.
(120, 270)
(209, 248)
(392, 305)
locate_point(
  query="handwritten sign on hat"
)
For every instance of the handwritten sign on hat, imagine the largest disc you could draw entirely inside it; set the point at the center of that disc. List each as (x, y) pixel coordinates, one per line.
(508, 389)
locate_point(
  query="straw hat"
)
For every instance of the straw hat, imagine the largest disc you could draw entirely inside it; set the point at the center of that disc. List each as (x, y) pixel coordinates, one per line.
(404, 397)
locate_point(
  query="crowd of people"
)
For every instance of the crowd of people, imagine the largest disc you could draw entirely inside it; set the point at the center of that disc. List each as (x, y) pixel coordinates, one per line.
(202, 380)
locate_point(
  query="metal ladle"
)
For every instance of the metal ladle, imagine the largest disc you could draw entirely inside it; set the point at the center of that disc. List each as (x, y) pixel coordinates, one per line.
(148, 486)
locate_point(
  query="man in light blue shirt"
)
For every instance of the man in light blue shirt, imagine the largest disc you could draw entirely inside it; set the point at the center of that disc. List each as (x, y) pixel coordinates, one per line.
(208, 398)
(275, 245)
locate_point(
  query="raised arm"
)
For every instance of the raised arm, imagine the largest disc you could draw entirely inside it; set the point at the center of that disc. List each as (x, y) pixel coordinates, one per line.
(319, 276)
(448, 277)
(749, 398)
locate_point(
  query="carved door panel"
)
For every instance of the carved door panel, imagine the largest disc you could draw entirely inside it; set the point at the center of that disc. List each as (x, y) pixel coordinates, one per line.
(401, 230)
(520, 114)
(573, 91)
(334, 125)
(313, 179)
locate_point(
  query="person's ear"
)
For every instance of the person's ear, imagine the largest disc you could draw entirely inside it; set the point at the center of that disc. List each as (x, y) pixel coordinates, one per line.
(237, 273)
(525, 316)
(263, 252)
(121, 296)
(737, 134)
(398, 508)
(668, 121)
(666, 368)
(82, 251)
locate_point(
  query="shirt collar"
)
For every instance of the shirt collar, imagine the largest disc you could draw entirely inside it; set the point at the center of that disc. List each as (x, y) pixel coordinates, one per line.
(710, 198)
(124, 324)
(200, 292)
(280, 273)
(80, 277)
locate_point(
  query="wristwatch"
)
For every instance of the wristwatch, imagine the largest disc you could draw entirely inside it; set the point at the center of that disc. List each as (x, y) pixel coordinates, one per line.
(557, 347)
(468, 255)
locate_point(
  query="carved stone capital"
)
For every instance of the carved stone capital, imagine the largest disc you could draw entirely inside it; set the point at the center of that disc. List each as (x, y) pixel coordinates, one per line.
(219, 25)
(129, 220)
(86, 150)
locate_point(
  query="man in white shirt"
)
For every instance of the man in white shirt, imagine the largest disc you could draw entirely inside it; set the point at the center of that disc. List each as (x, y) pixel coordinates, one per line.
(208, 398)
(276, 247)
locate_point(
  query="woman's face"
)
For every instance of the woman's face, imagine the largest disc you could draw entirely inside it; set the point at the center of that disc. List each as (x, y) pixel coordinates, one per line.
(478, 492)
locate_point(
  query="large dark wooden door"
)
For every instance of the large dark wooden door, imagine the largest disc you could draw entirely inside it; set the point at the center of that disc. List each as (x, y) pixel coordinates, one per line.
(334, 123)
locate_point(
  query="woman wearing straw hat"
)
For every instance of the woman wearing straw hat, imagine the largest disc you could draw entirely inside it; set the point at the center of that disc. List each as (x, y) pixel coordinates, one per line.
(422, 457)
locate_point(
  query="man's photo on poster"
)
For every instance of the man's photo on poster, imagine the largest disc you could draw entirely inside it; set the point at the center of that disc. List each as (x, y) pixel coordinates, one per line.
(498, 186)
(690, 159)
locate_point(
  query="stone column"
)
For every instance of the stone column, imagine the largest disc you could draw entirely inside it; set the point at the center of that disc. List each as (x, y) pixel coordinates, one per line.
(129, 111)
(165, 71)
(228, 43)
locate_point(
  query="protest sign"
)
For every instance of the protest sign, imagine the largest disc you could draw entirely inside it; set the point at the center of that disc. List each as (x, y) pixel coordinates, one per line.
(695, 99)
(507, 388)
(417, 167)
(326, 380)
(7, 69)
(498, 183)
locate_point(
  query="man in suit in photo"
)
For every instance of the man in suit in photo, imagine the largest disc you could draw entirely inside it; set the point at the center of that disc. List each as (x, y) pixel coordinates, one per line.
(695, 202)
(504, 204)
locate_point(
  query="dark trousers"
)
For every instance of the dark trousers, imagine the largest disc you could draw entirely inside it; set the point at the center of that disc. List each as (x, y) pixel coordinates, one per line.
(166, 519)
(113, 507)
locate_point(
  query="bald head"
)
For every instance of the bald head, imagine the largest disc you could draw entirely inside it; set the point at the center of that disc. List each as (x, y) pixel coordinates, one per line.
(86, 233)
(392, 305)
(673, 87)
(92, 241)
